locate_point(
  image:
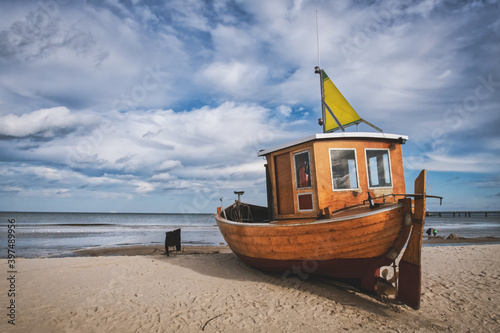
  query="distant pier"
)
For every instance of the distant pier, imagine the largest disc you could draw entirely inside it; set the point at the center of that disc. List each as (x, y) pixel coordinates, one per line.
(462, 213)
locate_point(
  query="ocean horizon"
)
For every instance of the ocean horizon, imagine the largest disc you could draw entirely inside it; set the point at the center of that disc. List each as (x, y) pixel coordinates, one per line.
(49, 234)
(56, 234)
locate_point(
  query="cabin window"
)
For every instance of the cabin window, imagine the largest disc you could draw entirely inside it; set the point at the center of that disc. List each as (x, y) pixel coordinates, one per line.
(378, 165)
(344, 170)
(302, 169)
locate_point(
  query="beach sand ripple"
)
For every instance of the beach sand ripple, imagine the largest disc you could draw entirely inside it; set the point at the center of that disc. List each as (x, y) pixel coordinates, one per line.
(216, 292)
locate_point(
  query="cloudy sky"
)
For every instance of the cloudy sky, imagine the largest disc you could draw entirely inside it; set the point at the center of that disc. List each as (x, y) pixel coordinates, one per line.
(162, 106)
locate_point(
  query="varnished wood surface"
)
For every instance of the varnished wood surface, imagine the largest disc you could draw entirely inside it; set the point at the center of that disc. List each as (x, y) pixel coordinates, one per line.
(362, 209)
(414, 248)
(285, 196)
(410, 268)
(284, 184)
(362, 235)
(336, 199)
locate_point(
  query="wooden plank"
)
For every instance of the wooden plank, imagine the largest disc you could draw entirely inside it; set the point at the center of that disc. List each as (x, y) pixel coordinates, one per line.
(406, 229)
(371, 235)
(414, 248)
(410, 272)
(322, 191)
(346, 198)
(284, 184)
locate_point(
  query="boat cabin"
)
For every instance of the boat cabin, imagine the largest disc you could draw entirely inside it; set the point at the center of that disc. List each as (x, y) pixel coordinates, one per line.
(320, 174)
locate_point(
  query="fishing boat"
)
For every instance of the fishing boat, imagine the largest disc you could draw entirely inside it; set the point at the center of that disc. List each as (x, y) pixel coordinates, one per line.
(337, 207)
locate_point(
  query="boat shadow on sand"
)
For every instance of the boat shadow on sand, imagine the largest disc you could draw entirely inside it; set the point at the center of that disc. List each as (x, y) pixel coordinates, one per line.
(343, 293)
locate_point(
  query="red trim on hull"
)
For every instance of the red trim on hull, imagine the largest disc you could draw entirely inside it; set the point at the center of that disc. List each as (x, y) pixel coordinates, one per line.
(363, 269)
(410, 286)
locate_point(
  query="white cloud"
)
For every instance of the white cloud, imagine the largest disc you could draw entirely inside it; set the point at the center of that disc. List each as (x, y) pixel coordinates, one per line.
(169, 165)
(174, 149)
(235, 77)
(285, 110)
(466, 163)
(46, 123)
(163, 177)
(47, 193)
(143, 187)
(232, 78)
(226, 172)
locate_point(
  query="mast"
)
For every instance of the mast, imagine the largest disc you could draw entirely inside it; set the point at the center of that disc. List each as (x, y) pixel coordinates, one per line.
(321, 121)
(324, 105)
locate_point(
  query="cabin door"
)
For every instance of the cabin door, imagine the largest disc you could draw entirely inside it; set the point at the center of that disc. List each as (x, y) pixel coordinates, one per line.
(284, 184)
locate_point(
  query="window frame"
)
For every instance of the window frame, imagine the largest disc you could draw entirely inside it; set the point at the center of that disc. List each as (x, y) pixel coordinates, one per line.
(368, 171)
(356, 166)
(296, 171)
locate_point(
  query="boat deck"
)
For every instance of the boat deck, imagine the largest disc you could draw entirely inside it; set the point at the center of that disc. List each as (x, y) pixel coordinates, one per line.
(361, 209)
(347, 212)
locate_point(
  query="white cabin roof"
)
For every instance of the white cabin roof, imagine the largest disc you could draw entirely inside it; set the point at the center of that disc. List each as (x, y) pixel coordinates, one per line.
(338, 135)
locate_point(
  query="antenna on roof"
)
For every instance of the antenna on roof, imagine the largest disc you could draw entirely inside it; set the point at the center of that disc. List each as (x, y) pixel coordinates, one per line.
(317, 70)
(344, 114)
(317, 38)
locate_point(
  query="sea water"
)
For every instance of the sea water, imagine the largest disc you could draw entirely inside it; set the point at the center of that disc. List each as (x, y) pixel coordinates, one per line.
(59, 234)
(477, 225)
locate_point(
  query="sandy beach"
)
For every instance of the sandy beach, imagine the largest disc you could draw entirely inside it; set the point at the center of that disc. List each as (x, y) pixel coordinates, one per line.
(210, 290)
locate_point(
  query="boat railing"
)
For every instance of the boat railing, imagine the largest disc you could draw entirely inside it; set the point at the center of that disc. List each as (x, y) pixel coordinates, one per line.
(383, 196)
(247, 213)
(394, 195)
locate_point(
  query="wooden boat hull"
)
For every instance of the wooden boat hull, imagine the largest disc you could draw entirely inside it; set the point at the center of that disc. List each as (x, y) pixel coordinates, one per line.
(351, 244)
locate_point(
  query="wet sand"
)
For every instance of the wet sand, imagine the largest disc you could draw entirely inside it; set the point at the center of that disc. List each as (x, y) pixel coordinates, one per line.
(150, 250)
(160, 249)
(441, 240)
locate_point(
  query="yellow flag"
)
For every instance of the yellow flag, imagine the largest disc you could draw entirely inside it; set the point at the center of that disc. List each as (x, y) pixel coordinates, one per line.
(336, 103)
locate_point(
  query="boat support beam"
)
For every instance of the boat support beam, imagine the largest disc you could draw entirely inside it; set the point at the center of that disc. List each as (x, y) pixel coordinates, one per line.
(410, 265)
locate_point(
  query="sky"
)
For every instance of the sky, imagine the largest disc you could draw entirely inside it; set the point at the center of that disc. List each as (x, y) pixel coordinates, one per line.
(162, 106)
